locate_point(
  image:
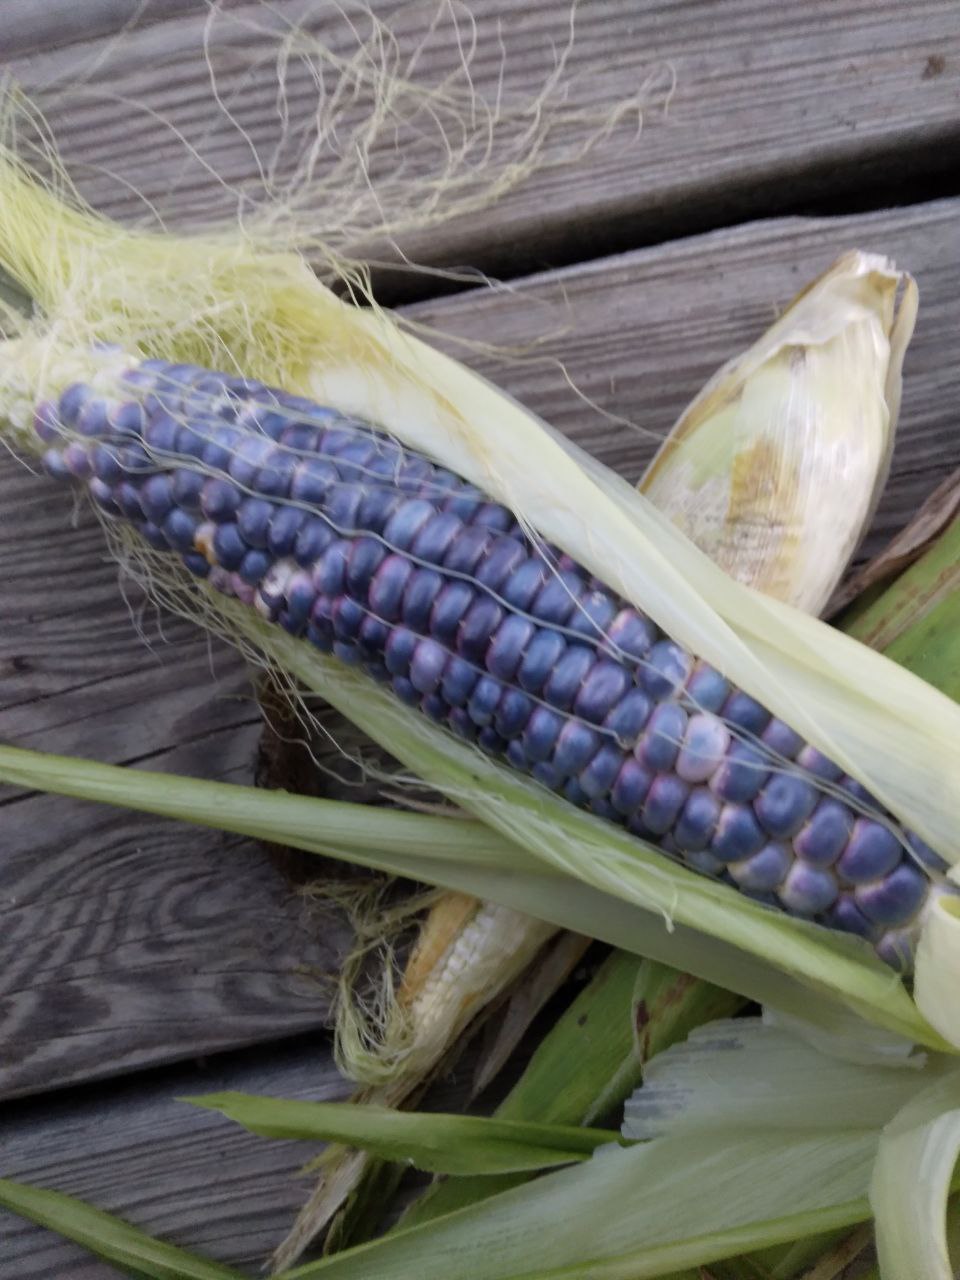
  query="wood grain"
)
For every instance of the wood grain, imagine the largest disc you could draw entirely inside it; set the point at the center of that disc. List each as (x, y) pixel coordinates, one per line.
(178, 1172)
(774, 107)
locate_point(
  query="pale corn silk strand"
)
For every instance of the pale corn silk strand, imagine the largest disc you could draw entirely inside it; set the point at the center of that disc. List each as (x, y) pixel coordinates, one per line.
(266, 316)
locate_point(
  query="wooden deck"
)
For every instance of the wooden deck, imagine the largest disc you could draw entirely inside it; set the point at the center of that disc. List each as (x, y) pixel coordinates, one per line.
(140, 960)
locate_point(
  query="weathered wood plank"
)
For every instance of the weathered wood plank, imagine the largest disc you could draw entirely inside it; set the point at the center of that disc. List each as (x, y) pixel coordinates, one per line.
(177, 1172)
(639, 334)
(774, 106)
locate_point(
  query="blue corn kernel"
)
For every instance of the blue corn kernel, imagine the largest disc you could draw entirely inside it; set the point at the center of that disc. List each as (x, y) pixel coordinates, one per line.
(92, 418)
(706, 688)
(219, 499)
(745, 712)
(575, 794)
(846, 915)
(698, 820)
(765, 871)
(46, 422)
(347, 652)
(406, 522)
(196, 563)
(300, 595)
(781, 739)
(630, 787)
(894, 899)
(435, 708)
(784, 804)
(872, 851)
(313, 540)
(461, 724)
(347, 617)
(896, 948)
(664, 801)
(405, 691)
(298, 437)
(567, 675)
(808, 891)
(467, 549)
(193, 440)
(484, 700)
(524, 583)
(276, 475)
(106, 465)
(321, 638)
(156, 498)
(489, 740)
(592, 614)
(666, 670)
(376, 507)
(330, 571)
(364, 559)
(253, 566)
(705, 745)
(479, 623)
(179, 529)
(810, 760)
(154, 536)
(426, 665)
(72, 401)
(499, 561)
(247, 458)
(459, 680)
(452, 602)
(602, 688)
(373, 637)
(631, 636)
(493, 516)
(253, 521)
(542, 655)
(513, 711)
(738, 835)
(660, 745)
(186, 487)
(312, 480)
(742, 774)
(576, 747)
(128, 500)
(629, 717)
(557, 599)
(418, 597)
(342, 507)
(824, 835)
(102, 495)
(128, 419)
(435, 538)
(507, 645)
(540, 735)
(76, 458)
(546, 774)
(599, 775)
(285, 524)
(388, 585)
(857, 792)
(228, 546)
(219, 446)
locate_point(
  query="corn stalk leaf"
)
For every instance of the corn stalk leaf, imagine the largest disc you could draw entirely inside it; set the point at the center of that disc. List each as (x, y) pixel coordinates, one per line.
(109, 1237)
(435, 1142)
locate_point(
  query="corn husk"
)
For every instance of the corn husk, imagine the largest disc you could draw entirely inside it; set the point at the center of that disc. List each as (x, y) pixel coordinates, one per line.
(776, 467)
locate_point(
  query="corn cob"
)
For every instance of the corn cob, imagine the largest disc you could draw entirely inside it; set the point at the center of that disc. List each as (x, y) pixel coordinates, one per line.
(333, 530)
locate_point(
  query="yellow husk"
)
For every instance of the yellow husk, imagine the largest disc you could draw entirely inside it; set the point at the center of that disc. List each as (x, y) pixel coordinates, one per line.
(776, 467)
(223, 300)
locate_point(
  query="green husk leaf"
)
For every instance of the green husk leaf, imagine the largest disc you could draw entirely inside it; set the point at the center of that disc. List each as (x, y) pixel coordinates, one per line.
(475, 859)
(912, 1179)
(109, 1237)
(592, 1058)
(435, 1142)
